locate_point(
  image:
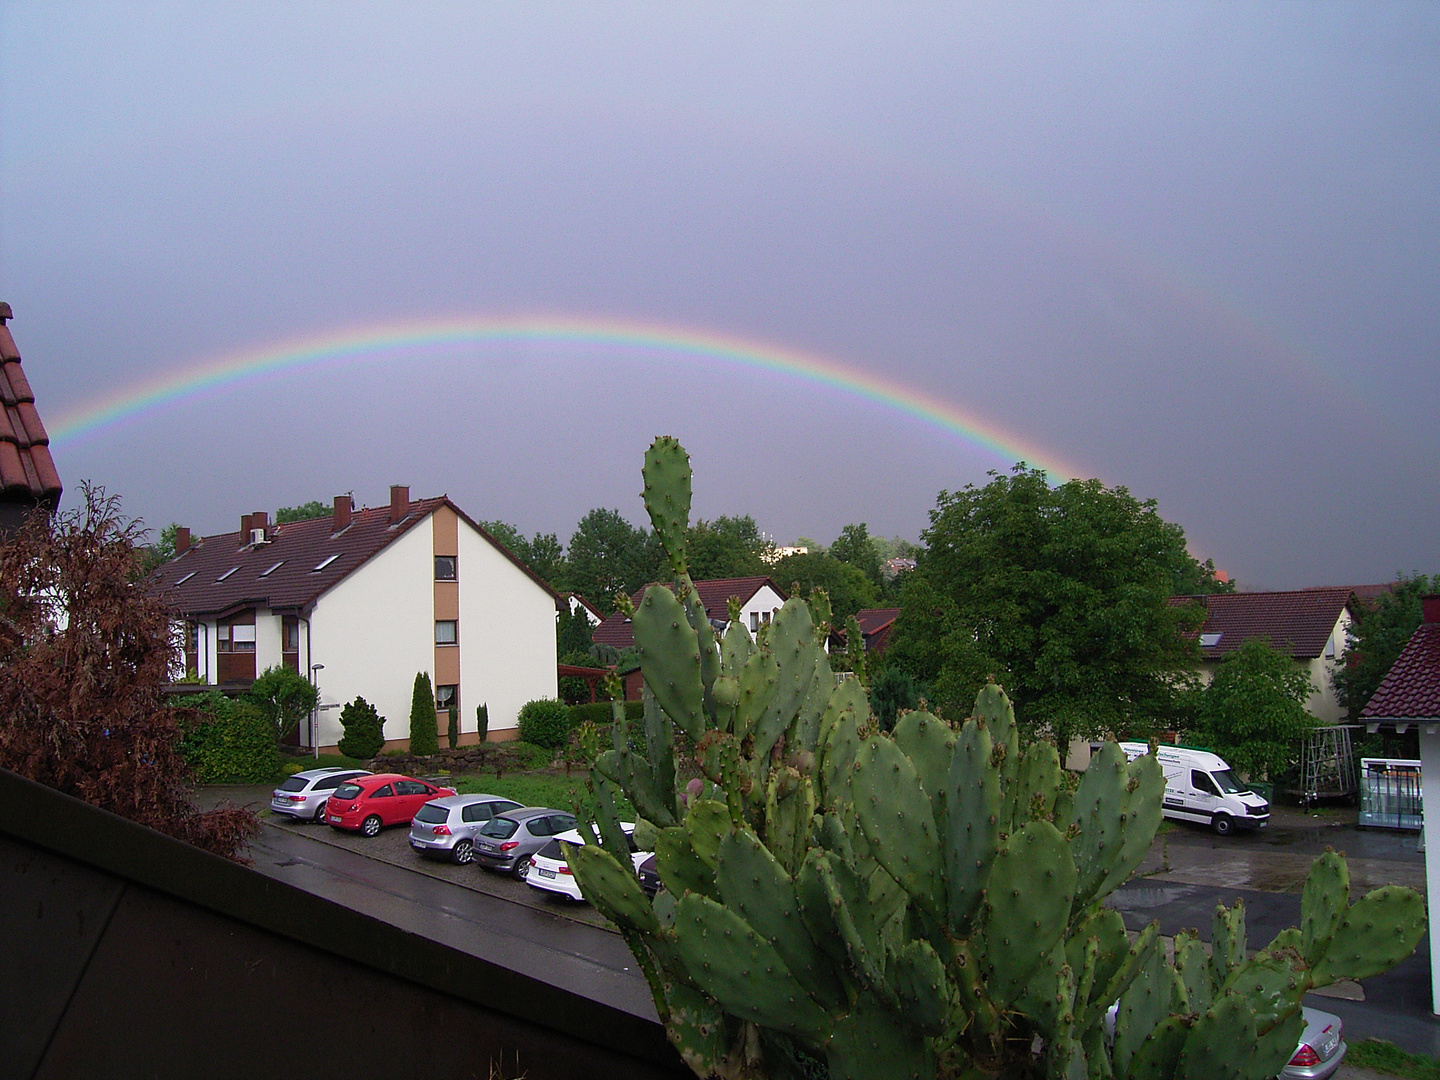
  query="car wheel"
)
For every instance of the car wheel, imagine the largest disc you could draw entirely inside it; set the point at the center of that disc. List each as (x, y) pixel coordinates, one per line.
(464, 852)
(319, 818)
(371, 825)
(521, 865)
(1223, 824)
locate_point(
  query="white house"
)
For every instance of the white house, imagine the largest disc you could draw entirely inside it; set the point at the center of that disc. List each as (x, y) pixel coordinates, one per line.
(1309, 625)
(362, 600)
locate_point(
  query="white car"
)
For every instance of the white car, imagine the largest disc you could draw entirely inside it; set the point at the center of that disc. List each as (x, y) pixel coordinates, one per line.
(304, 795)
(549, 871)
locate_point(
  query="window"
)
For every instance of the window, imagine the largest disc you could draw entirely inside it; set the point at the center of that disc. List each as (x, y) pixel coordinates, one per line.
(444, 567)
(412, 787)
(325, 562)
(227, 573)
(383, 793)
(242, 637)
(754, 621)
(1209, 641)
(290, 634)
(445, 632)
(1202, 783)
(446, 696)
(187, 577)
(267, 573)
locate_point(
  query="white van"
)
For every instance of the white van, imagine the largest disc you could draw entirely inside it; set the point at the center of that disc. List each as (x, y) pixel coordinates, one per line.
(1199, 786)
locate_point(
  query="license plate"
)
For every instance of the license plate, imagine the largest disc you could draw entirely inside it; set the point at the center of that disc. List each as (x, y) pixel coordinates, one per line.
(335, 819)
(417, 845)
(544, 872)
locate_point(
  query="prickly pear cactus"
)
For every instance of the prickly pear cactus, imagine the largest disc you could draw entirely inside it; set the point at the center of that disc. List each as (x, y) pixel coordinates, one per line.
(924, 904)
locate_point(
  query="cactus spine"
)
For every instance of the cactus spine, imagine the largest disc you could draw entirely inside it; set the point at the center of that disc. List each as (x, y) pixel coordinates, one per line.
(927, 903)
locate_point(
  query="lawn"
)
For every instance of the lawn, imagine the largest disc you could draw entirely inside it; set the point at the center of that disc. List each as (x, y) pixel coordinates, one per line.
(1384, 1057)
(539, 787)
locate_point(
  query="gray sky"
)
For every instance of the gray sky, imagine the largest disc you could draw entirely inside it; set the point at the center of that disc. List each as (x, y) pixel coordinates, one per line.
(1186, 248)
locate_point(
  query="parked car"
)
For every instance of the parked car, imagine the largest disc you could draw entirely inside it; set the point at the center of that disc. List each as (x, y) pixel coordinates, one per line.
(303, 796)
(549, 870)
(649, 874)
(367, 804)
(507, 840)
(447, 826)
(1321, 1048)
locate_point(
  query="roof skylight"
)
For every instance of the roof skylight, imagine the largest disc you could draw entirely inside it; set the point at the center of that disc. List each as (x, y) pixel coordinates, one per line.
(326, 562)
(227, 573)
(267, 573)
(187, 577)
(1209, 641)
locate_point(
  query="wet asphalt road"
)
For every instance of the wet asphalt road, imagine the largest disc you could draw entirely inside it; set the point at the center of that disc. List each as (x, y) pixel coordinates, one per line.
(1187, 872)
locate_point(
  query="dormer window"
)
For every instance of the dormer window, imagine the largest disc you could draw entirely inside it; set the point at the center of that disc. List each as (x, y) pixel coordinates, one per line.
(267, 573)
(325, 562)
(227, 573)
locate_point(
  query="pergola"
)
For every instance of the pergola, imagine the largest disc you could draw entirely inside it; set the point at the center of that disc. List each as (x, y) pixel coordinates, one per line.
(1409, 696)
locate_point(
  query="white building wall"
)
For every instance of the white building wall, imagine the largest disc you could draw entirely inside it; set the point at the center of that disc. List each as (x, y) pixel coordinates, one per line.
(373, 631)
(765, 602)
(1430, 796)
(506, 633)
(268, 640)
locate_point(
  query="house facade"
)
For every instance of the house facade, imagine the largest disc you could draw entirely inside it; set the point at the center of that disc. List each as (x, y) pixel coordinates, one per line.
(1310, 625)
(361, 601)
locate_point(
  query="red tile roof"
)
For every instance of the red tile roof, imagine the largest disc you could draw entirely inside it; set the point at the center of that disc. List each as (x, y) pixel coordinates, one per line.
(225, 573)
(27, 472)
(1411, 689)
(1297, 622)
(616, 631)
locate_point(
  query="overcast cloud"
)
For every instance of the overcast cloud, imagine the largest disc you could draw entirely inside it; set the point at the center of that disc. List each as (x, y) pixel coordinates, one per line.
(1186, 248)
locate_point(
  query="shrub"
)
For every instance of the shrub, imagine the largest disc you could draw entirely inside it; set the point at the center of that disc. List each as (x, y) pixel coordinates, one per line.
(230, 742)
(284, 696)
(424, 735)
(482, 720)
(545, 722)
(452, 730)
(364, 730)
(598, 712)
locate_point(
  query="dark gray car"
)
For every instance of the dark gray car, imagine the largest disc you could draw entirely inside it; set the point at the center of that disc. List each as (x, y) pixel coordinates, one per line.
(448, 826)
(507, 840)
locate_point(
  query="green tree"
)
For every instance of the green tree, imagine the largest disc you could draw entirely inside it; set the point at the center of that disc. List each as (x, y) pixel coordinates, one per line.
(1061, 593)
(1375, 639)
(364, 730)
(890, 691)
(305, 512)
(608, 555)
(229, 741)
(151, 556)
(856, 547)
(1252, 713)
(727, 548)
(542, 553)
(284, 696)
(846, 585)
(573, 634)
(424, 734)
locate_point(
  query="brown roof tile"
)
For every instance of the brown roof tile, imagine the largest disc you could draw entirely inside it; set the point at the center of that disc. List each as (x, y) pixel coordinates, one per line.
(197, 582)
(1296, 622)
(1411, 689)
(27, 472)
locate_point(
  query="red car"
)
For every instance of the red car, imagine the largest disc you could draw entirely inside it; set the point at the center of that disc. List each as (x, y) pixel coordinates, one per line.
(367, 804)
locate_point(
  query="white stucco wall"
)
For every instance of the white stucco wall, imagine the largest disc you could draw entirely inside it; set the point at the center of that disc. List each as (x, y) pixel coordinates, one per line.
(506, 632)
(1430, 796)
(373, 631)
(766, 600)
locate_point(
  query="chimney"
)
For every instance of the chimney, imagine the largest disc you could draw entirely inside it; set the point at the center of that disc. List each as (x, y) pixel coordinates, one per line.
(1430, 606)
(182, 540)
(343, 506)
(260, 520)
(245, 528)
(399, 502)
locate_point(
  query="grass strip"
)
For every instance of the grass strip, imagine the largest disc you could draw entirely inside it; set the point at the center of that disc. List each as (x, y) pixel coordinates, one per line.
(1385, 1057)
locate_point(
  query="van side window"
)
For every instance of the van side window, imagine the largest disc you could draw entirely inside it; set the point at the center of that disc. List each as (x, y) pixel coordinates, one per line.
(1201, 781)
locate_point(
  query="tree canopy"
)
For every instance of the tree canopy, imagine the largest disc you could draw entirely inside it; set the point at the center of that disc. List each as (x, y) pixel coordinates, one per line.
(727, 547)
(1062, 594)
(608, 555)
(848, 587)
(304, 512)
(1375, 639)
(1252, 713)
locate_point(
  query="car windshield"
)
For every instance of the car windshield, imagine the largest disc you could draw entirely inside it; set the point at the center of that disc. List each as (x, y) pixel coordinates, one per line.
(294, 784)
(431, 814)
(500, 828)
(348, 791)
(1228, 784)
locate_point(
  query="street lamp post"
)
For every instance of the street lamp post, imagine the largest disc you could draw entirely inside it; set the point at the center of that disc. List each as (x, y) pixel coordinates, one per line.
(315, 712)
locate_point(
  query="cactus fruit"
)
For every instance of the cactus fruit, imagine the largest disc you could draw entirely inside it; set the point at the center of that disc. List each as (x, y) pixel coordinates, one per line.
(927, 903)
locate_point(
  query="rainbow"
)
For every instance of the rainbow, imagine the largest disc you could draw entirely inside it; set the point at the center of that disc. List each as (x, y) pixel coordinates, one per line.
(638, 339)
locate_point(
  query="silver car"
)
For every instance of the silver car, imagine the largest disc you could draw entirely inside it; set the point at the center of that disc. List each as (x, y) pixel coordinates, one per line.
(1321, 1048)
(507, 841)
(447, 826)
(304, 795)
